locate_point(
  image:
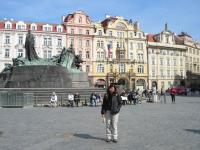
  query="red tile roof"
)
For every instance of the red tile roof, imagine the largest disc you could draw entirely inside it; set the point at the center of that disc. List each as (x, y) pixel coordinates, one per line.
(150, 38)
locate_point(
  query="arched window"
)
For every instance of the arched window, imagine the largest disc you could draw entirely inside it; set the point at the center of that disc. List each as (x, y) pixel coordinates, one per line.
(140, 69)
(100, 68)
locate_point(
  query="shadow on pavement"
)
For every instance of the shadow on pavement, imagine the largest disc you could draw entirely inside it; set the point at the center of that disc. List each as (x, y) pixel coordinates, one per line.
(87, 136)
(193, 131)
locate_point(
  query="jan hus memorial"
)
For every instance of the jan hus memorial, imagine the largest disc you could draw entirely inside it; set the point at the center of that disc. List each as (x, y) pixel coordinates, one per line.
(61, 71)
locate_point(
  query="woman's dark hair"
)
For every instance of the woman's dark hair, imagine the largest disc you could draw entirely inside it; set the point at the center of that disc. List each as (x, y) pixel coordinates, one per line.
(110, 86)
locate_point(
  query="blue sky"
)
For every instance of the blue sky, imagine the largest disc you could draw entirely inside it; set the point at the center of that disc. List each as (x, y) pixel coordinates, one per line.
(181, 15)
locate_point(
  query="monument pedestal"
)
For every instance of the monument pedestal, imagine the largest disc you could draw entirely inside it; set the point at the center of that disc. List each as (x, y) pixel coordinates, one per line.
(46, 77)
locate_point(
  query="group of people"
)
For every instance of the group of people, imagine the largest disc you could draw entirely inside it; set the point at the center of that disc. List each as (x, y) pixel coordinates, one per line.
(72, 99)
(133, 97)
(95, 99)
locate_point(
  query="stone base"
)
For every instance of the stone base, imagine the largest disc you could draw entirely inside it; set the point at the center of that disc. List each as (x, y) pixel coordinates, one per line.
(45, 77)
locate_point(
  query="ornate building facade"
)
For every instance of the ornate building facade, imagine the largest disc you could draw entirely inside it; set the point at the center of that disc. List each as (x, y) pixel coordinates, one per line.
(119, 53)
(166, 59)
(114, 50)
(192, 59)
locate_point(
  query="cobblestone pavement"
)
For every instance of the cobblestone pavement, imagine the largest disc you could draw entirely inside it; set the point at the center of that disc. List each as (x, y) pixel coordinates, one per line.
(147, 126)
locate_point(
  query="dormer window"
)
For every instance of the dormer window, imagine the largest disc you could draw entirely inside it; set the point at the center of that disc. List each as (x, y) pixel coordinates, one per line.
(59, 29)
(47, 28)
(8, 25)
(33, 27)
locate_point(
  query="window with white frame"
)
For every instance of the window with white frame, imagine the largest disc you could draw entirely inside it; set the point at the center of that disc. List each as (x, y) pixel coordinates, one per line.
(102, 55)
(140, 56)
(153, 60)
(102, 44)
(161, 61)
(20, 53)
(168, 62)
(98, 44)
(20, 41)
(33, 27)
(59, 41)
(122, 68)
(88, 54)
(168, 73)
(8, 25)
(87, 43)
(49, 41)
(49, 54)
(87, 32)
(79, 31)
(98, 55)
(131, 56)
(7, 39)
(72, 31)
(45, 41)
(100, 33)
(59, 29)
(153, 73)
(140, 69)
(174, 62)
(87, 68)
(131, 45)
(7, 53)
(111, 68)
(110, 33)
(100, 68)
(181, 61)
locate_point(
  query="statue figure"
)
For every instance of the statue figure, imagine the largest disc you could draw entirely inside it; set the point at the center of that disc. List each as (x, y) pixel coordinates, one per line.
(29, 46)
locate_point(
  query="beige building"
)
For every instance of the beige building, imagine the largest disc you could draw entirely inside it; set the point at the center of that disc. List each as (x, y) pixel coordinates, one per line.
(166, 60)
(119, 53)
(192, 60)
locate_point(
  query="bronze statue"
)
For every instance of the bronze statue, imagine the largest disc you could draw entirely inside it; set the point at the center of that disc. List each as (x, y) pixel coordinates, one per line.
(29, 46)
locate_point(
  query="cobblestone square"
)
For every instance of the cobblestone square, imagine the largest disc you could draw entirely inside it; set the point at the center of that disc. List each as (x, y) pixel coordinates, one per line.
(146, 126)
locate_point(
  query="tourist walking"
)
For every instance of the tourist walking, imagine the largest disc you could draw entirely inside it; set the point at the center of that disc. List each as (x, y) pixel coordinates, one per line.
(112, 103)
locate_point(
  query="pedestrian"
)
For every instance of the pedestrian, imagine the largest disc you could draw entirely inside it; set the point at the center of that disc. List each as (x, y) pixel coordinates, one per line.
(93, 99)
(173, 93)
(76, 99)
(112, 103)
(71, 99)
(162, 95)
(53, 100)
(154, 93)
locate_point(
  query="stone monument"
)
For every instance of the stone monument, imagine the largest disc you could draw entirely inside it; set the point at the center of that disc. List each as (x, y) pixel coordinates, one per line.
(61, 71)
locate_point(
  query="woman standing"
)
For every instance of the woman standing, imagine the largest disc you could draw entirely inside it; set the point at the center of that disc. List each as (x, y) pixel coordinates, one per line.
(110, 110)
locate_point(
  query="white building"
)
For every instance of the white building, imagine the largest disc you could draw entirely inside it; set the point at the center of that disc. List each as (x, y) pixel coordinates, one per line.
(49, 39)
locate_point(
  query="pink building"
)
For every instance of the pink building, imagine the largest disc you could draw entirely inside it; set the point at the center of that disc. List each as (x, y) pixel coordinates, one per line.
(80, 33)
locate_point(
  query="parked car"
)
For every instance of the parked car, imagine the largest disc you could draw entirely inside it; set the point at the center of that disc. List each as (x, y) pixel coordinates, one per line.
(178, 90)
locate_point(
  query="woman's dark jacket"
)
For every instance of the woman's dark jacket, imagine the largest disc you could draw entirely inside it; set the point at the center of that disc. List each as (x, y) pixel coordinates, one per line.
(111, 103)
